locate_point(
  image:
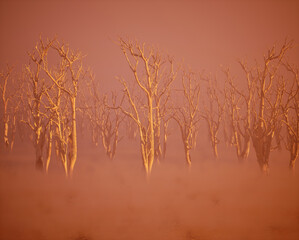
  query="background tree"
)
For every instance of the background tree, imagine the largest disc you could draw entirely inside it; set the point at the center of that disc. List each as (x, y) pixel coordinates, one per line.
(290, 110)
(213, 111)
(239, 109)
(110, 124)
(10, 87)
(187, 113)
(161, 100)
(266, 111)
(37, 119)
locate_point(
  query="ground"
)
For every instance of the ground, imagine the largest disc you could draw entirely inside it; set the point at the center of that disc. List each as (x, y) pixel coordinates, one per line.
(114, 200)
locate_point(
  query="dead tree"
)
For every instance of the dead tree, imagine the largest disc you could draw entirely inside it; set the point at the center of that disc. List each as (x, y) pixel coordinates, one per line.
(212, 112)
(52, 101)
(146, 64)
(166, 132)
(131, 129)
(93, 108)
(60, 126)
(10, 91)
(267, 110)
(71, 69)
(187, 114)
(162, 115)
(239, 105)
(37, 86)
(109, 124)
(290, 111)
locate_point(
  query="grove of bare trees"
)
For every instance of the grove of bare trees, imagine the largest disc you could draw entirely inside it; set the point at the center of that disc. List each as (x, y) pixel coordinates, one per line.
(55, 93)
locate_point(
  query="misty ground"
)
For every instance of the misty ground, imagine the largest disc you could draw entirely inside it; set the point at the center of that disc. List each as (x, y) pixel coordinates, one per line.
(216, 199)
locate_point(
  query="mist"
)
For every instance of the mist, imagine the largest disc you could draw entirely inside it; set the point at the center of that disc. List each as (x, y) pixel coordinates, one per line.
(115, 197)
(216, 199)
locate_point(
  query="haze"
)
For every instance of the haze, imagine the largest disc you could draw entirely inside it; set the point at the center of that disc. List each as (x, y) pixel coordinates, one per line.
(224, 197)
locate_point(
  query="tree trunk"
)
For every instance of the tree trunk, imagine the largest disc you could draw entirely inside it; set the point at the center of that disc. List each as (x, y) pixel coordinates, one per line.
(13, 132)
(39, 145)
(65, 167)
(6, 140)
(293, 154)
(246, 147)
(165, 141)
(187, 155)
(262, 146)
(73, 150)
(49, 150)
(151, 155)
(215, 149)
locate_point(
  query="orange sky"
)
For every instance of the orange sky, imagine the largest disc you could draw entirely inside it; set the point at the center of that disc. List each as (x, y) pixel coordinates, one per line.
(203, 33)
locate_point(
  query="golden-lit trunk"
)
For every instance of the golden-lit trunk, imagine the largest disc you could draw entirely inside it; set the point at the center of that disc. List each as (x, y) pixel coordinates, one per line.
(265, 168)
(73, 145)
(215, 149)
(165, 140)
(49, 150)
(151, 139)
(246, 147)
(187, 154)
(115, 142)
(13, 132)
(64, 163)
(294, 152)
(157, 133)
(6, 140)
(143, 146)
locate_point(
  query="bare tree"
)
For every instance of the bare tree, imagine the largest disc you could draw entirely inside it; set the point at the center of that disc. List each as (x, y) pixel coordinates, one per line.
(146, 64)
(37, 119)
(239, 106)
(110, 123)
(161, 99)
(60, 127)
(104, 116)
(71, 73)
(290, 110)
(10, 86)
(187, 113)
(267, 110)
(131, 129)
(166, 132)
(212, 112)
(93, 108)
(53, 88)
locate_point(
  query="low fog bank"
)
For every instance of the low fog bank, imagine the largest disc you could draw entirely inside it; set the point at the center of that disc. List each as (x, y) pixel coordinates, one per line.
(215, 199)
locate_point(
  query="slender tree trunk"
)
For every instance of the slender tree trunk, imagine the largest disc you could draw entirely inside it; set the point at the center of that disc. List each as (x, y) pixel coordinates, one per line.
(49, 150)
(6, 140)
(165, 139)
(144, 149)
(215, 149)
(151, 136)
(187, 154)
(73, 149)
(157, 132)
(246, 147)
(38, 144)
(293, 155)
(115, 142)
(262, 147)
(13, 132)
(39, 164)
(65, 165)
